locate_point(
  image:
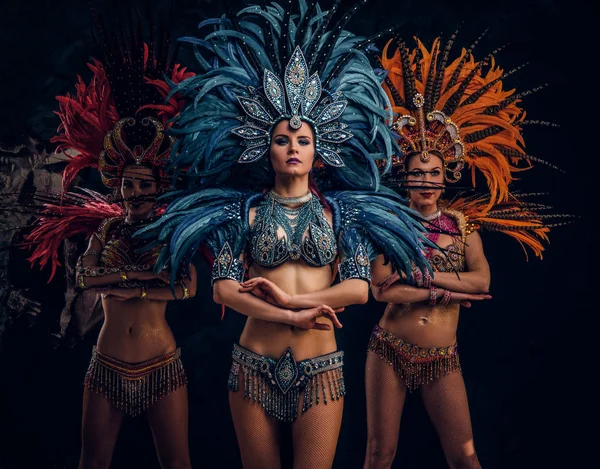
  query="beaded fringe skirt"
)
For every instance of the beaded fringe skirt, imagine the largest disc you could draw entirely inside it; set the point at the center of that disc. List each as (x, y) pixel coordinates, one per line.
(278, 384)
(415, 365)
(133, 388)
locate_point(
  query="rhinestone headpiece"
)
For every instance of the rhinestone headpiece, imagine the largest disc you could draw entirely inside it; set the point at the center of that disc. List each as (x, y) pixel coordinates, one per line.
(297, 100)
(117, 153)
(433, 132)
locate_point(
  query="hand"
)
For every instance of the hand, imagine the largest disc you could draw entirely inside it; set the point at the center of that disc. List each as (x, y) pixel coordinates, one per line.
(119, 294)
(389, 281)
(464, 299)
(267, 291)
(307, 318)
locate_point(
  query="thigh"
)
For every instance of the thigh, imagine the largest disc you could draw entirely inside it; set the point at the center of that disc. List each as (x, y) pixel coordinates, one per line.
(315, 434)
(168, 419)
(445, 400)
(386, 393)
(100, 426)
(257, 434)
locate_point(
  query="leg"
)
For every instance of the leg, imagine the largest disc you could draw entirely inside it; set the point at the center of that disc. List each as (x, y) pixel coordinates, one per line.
(315, 434)
(168, 420)
(257, 434)
(445, 400)
(99, 429)
(385, 401)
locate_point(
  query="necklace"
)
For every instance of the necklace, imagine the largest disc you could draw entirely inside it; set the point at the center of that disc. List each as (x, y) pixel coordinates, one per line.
(432, 216)
(294, 222)
(290, 200)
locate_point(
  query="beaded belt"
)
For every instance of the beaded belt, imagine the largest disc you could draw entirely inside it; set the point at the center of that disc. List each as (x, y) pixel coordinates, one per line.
(415, 365)
(133, 388)
(277, 384)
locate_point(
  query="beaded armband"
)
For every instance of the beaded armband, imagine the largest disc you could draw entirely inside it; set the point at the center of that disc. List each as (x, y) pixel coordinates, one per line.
(100, 271)
(357, 266)
(226, 266)
(186, 291)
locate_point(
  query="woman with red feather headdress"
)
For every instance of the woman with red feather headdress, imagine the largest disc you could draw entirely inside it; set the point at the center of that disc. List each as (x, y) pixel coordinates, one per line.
(116, 124)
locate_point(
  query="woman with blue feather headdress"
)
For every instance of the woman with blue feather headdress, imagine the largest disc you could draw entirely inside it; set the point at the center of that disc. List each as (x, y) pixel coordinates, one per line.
(282, 145)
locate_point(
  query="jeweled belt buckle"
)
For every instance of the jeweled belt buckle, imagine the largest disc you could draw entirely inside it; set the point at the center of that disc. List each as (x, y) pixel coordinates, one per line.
(286, 371)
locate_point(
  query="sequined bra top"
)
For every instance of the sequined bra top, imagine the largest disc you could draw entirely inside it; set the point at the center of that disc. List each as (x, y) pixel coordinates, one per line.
(453, 258)
(121, 248)
(308, 235)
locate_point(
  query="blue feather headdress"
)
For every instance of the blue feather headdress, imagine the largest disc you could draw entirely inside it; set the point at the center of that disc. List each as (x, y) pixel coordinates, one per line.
(264, 65)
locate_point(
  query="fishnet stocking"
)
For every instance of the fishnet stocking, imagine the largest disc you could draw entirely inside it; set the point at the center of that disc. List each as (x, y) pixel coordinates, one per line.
(385, 400)
(257, 434)
(445, 400)
(315, 434)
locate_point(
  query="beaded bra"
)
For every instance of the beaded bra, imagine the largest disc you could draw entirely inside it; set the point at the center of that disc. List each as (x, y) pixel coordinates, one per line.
(121, 248)
(453, 222)
(308, 235)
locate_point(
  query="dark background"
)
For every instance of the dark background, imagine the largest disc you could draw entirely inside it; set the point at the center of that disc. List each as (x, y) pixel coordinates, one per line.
(526, 363)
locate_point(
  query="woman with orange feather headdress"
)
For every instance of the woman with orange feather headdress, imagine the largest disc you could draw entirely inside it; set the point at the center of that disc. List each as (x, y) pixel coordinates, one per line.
(451, 116)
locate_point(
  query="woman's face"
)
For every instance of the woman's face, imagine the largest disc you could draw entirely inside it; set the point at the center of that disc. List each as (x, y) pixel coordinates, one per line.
(292, 151)
(426, 178)
(139, 190)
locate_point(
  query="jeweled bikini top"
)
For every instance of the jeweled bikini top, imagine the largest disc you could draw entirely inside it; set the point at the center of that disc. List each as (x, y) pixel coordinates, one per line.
(121, 248)
(308, 235)
(451, 222)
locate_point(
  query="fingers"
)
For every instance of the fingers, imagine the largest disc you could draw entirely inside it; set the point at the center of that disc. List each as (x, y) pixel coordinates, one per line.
(325, 309)
(330, 313)
(480, 297)
(254, 281)
(334, 319)
(321, 327)
(466, 304)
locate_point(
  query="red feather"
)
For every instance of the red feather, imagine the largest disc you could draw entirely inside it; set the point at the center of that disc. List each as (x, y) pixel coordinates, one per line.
(77, 214)
(85, 119)
(175, 103)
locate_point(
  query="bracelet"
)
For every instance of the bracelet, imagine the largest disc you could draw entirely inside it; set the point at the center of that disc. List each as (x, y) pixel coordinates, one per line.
(432, 295)
(124, 275)
(418, 276)
(144, 293)
(80, 282)
(186, 292)
(446, 298)
(100, 271)
(427, 280)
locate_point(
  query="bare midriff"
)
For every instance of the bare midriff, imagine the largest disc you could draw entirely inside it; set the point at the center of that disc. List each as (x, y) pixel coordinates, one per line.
(135, 330)
(270, 338)
(421, 324)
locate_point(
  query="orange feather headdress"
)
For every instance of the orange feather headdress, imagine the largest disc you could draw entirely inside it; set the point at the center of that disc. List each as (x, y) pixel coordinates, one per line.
(457, 109)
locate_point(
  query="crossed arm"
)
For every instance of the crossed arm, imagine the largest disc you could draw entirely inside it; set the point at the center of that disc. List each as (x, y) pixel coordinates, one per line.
(105, 283)
(470, 285)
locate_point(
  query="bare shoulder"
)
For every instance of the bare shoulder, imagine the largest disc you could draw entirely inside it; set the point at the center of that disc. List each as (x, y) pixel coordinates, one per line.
(473, 239)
